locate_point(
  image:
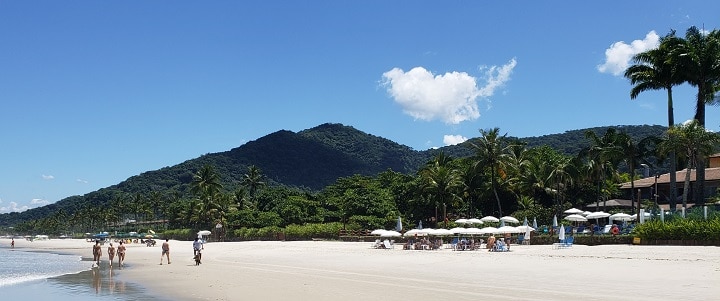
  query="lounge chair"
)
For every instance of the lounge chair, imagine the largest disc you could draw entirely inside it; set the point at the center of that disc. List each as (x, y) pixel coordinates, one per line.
(388, 245)
(376, 244)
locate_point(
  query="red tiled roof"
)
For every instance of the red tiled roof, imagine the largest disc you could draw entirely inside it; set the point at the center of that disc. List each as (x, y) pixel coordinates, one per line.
(711, 174)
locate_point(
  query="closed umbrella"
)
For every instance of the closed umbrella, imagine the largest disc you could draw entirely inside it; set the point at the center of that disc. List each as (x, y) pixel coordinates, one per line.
(535, 222)
(398, 227)
(561, 235)
(555, 223)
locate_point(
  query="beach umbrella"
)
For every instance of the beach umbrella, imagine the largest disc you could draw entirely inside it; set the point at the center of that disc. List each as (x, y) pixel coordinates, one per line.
(597, 215)
(203, 232)
(377, 232)
(527, 233)
(535, 222)
(576, 218)
(398, 227)
(622, 217)
(525, 223)
(507, 229)
(509, 219)
(561, 235)
(475, 221)
(442, 232)
(390, 234)
(586, 213)
(573, 211)
(488, 230)
(418, 232)
(461, 221)
(151, 231)
(525, 228)
(490, 218)
(555, 223)
(471, 231)
(457, 230)
(420, 225)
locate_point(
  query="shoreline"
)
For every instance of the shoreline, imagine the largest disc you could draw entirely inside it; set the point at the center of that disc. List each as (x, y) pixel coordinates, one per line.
(349, 271)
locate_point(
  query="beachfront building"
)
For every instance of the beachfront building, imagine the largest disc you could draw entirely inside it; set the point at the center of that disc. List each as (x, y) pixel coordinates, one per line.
(647, 187)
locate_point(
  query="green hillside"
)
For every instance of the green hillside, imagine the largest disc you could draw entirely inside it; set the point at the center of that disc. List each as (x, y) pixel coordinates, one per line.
(310, 159)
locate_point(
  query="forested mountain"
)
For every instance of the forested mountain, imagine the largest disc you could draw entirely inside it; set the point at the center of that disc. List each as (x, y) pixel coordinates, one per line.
(310, 159)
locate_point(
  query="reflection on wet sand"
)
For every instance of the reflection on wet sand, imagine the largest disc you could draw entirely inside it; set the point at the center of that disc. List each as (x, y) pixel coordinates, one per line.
(103, 281)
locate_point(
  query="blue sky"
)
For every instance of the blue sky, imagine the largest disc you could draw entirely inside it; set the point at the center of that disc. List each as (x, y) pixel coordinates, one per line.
(94, 92)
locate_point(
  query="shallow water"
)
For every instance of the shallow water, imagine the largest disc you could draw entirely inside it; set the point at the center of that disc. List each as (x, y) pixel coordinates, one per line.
(48, 276)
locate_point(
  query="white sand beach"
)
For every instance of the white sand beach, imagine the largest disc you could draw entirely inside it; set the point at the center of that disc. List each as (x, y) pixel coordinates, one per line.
(348, 271)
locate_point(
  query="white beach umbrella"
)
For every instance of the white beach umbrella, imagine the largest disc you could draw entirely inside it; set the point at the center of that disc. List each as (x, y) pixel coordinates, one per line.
(471, 231)
(573, 211)
(576, 218)
(509, 219)
(490, 218)
(461, 221)
(457, 230)
(525, 228)
(507, 229)
(597, 215)
(475, 221)
(204, 232)
(442, 232)
(488, 230)
(391, 234)
(622, 217)
(586, 213)
(377, 232)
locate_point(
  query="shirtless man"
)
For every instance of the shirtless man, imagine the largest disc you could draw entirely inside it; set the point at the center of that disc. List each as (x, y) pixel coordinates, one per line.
(165, 251)
(111, 253)
(97, 252)
(121, 253)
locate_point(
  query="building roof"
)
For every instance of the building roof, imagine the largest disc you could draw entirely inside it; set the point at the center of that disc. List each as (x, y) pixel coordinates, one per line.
(711, 174)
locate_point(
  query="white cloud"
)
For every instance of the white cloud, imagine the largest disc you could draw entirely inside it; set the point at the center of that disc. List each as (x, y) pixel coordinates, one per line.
(618, 56)
(48, 177)
(453, 139)
(38, 202)
(13, 207)
(81, 181)
(451, 97)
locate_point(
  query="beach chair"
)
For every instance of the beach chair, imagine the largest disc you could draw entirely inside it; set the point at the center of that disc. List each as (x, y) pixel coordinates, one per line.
(388, 245)
(376, 244)
(520, 238)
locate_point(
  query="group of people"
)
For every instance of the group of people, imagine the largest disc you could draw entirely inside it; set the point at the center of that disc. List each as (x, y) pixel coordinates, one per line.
(198, 246)
(97, 253)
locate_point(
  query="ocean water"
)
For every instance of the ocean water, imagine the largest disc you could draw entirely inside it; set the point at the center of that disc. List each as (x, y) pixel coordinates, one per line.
(30, 275)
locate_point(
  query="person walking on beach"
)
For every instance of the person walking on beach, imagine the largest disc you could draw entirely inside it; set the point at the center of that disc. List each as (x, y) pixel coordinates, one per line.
(12, 243)
(111, 253)
(97, 252)
(121, 253)
(165, 251)
(197, 249)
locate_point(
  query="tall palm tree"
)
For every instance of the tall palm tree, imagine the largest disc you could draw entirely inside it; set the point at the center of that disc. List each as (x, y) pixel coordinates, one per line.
(441, 182)
(654, 70)
(490, 150)
(635, 154)
(205, 181)
(253, 180)
(603, 156)
(694, 142)
(698, 58)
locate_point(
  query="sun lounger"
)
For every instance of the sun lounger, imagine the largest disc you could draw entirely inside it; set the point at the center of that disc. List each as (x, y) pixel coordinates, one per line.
(388, 245)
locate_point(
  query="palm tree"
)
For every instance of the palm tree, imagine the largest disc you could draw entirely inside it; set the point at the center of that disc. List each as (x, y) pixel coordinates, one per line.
(653, 70)
(205, 181)
(697, 57)
(635, 154)
(694, 142)
(253, 180)
(490, 150)
(441, 181)
(602, 156)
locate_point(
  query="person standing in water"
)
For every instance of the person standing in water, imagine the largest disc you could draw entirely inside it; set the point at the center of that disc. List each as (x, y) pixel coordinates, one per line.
(121, 254)
(97, 252)
(111, 253)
